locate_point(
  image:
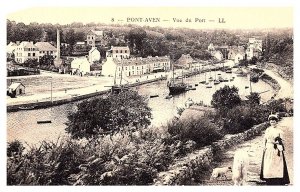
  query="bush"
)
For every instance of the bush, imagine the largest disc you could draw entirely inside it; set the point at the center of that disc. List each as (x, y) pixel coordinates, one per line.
(243, 117)
(202, 131)
(226, 98)
(14, 148)
(49, 164)
(113, 113)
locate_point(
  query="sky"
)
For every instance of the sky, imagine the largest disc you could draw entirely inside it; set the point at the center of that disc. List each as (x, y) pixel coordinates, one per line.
(190, 17)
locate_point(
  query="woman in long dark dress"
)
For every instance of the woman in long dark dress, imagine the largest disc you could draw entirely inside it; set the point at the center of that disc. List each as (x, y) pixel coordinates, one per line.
(274, 169)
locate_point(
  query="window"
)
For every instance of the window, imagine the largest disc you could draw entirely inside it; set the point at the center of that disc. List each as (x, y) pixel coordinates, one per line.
(121, 51)
(92, 37)
(126, 68)
(33, 54)
(51, 52)
(125, 51)
(132, 67)
(116, 51)
(40, 51)
(29, 54)
(137, 68)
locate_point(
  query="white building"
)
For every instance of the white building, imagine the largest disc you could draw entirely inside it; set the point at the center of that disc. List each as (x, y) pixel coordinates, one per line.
(218, 55)
(26, 50)
(238, 57)
(119, 52)
(80, 66)
(94, 37)
(135, 66)
(46, 48)
(94, 55)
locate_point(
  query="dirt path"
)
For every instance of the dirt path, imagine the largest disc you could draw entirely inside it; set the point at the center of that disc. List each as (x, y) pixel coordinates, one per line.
(256, 147)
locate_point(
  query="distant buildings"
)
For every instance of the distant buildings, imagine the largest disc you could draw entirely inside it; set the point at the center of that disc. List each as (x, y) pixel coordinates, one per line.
(254, 48)
(118, 52)
(236, 53)
(26, 50)
(80, 66)
(185, 61)
(46, 48)
(94, 55)
(135, 66)
(95, 38)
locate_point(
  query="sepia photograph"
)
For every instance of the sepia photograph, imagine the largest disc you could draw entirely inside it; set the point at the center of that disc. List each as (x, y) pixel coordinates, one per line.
(149, 96)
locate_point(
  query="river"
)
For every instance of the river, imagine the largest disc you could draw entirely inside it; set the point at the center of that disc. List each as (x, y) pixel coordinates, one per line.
(22, 125)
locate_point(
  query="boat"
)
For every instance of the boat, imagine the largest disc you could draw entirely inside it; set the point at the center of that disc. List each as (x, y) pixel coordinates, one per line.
(44, 121)
(27, 107)
(221, 79)
(208, 85)
(176, 87)
(226, 80)
(240, 73)
(193, 88)
(168, 97)
(216, 82)
(228, 70)
(196, 84)
(117, 88)
(152, 96)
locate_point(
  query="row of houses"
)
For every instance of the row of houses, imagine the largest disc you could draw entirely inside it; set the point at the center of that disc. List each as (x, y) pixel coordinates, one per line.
(237, 53)
(27, 50)
(135, 66)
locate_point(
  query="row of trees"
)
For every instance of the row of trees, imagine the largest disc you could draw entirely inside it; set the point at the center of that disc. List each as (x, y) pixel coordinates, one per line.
(157, 41)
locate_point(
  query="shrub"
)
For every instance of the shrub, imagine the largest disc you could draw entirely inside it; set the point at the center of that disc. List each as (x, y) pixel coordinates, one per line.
(49, 164)
(126, 110)
(243, 117)
(14, 148)
(226, 98)
(202, 131)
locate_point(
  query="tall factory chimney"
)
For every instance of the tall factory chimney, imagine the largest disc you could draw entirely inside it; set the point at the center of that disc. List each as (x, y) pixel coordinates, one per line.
(57, 60)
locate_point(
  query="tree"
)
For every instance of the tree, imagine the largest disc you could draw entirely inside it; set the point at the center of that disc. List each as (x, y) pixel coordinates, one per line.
(113, 113)
(254, 98)
(226, 98)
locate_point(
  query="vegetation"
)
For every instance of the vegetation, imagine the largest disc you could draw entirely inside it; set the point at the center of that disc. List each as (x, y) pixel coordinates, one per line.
(126, 111)
(226, 98)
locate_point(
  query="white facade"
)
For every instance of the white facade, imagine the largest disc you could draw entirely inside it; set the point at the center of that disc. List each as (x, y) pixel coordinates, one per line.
(238, 57)
(46, 48)
(119, 52)
(218, 55)
(134, 66)
(94, 55)
(109, 67)
(80, 66)
(26, 50)
(94, 37)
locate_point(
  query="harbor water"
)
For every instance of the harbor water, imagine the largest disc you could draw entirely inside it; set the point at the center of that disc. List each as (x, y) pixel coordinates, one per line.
(22, 125)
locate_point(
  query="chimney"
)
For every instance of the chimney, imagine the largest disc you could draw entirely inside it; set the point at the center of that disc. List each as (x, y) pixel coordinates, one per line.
(58, 45)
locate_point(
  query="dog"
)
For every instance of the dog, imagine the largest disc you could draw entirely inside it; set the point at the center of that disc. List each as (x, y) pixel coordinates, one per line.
(240, 167)
(220, 172)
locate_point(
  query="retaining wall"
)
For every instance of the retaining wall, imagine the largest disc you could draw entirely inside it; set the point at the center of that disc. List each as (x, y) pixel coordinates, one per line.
(194, 164)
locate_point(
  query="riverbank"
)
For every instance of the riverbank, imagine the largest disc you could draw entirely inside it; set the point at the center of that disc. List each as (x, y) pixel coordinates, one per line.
(51, 89)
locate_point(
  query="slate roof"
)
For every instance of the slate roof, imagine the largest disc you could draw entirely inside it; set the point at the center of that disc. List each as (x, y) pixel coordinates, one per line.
(45, 46)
